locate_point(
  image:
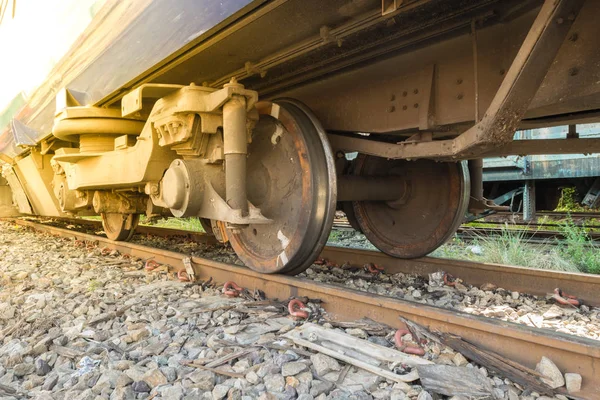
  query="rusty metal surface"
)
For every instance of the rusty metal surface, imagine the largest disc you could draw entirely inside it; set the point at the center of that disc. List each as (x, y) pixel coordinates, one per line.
(428, 213)
(292, 179)
(517, 342)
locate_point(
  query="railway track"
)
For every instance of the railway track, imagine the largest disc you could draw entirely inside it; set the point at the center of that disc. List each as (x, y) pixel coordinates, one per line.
(531, 232)
(548, 236)
(519, 343)
(537, 282)
(550, 214)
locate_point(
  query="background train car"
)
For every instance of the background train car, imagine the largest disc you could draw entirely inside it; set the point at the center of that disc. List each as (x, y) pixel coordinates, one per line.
(535, 182)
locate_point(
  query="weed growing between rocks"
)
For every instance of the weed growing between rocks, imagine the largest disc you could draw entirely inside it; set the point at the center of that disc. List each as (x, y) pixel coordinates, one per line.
(576, 248)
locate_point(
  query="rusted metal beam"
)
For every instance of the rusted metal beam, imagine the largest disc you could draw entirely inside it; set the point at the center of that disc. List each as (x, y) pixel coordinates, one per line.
(518, 343)
(442, 147)
(512, 99)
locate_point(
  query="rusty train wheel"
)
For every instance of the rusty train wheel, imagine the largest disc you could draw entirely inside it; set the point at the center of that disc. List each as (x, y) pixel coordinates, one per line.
(432, 209)
(119, 226)
(291, 178)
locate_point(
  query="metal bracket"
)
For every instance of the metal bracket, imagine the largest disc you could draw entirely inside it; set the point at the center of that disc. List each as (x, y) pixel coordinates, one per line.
(131, 103)
(24, 135)
(19, 195)
(184, 99)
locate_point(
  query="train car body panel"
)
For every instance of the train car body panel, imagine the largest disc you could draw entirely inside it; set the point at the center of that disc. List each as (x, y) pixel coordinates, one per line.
(123, 40)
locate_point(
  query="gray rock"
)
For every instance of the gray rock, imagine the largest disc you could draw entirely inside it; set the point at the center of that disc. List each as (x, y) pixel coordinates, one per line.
(234, 394)
(398, 395)
(107, 379)
(123, 393)
(318, 387)
(204, 380)
(141, 387)
(553, 376)
(220, 391)
(289, 393)
(267, 396)
(123, 380)
(293, 368)
(274, 383)
(122, 365)
(169, 372)
(269, 368)
(92, 380)
(7, 311)
(85, 395)
(174, 392)
(381, 394)
(42, 368)
(154, 377)
(305, 396)
(252, 377)
(50, 382)
(573, 382)
(305, 377)
(324, 364)
(281, 359)
(424, 395)
(339, 394)
(23, 369)
(135, 373)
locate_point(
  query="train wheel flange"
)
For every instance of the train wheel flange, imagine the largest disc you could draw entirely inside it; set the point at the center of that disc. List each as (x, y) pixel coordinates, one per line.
(429, 213)
(119, 226)
(291, 179)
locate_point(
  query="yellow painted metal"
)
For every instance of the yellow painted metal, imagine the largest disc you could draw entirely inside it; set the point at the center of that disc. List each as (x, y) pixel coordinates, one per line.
(35, 173)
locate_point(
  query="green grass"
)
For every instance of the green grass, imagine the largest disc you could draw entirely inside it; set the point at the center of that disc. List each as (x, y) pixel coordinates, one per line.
(188, 224)
(511, 247)
(576, 248)
(568, 201)
(94, 285)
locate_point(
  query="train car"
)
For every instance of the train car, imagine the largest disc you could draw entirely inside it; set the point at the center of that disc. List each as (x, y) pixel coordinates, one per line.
(535, 182)
(240, 112)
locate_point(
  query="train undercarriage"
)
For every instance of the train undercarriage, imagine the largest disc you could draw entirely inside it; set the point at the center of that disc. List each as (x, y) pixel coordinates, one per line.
(421, 90)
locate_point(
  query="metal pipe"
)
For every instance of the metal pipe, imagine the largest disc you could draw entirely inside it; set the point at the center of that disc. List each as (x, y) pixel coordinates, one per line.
(475, 69)
(476, 175)
(370, 188)
(235, 149)
(476, 201)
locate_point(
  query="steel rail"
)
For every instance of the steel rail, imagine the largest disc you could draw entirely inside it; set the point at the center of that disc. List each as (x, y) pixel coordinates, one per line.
(527, 231)
(518, 343)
